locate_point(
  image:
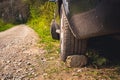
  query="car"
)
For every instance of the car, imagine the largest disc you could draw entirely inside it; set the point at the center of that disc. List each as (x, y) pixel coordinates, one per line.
(81, 20)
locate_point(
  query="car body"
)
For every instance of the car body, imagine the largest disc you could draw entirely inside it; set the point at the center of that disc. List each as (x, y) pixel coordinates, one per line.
(84, 19)
(91, 18)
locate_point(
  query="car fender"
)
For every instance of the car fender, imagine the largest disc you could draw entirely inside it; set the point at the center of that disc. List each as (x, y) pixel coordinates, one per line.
(100, 19)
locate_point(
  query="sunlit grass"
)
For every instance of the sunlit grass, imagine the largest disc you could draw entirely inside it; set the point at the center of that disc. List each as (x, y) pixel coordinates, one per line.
(41, 24)
(43, 30)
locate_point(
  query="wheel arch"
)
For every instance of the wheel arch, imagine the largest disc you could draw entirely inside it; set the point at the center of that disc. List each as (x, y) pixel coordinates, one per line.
(60, 2)
(59, 6)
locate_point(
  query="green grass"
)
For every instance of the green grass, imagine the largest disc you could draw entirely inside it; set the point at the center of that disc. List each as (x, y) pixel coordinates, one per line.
(4, 26)
(40, 20)
(40, 25)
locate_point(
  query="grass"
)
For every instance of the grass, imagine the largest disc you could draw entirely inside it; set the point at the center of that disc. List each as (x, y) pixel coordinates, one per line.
(41, 24)
(43, 30)
(4, 26)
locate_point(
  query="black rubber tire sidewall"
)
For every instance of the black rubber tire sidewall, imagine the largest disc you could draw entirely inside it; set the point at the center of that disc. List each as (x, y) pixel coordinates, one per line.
(54, 34)
(68, 43)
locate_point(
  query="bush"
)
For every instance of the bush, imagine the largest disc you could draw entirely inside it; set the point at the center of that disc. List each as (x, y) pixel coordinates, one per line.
(4, 26)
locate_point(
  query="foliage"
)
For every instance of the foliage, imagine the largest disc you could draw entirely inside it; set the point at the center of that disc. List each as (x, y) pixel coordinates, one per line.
(40, 19)
(96, 59)
(4, 26)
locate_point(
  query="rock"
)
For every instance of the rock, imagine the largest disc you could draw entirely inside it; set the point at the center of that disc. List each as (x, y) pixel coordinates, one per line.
(45, 74)
(28, 63)
(30, 69)
(8, 76)
(20, 60)
(80, 70)
(19, 63)
(76, 61)
(74, 74)
(51, 58)
(18, 70)
(8, 61)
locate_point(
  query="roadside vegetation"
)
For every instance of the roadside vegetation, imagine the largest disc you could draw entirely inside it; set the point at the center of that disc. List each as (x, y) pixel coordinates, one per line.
(40, 19)
(4, 26)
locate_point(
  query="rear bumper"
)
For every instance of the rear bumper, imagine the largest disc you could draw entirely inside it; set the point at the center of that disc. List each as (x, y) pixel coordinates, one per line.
(104, 19)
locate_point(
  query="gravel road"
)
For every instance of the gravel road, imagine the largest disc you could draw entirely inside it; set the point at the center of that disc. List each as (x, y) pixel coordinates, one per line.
(18, 51)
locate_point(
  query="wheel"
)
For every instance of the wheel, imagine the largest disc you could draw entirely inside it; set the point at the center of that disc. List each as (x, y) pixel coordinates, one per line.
(54, 27)
(68, 43)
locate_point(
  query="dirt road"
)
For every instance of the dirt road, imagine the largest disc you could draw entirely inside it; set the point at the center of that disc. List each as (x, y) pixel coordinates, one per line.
(18, 51)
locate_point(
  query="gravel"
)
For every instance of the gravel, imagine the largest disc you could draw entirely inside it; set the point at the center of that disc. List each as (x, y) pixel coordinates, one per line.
(18, 50)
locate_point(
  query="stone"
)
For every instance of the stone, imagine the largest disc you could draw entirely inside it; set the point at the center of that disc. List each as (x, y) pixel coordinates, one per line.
(28, 63)
(76, 61)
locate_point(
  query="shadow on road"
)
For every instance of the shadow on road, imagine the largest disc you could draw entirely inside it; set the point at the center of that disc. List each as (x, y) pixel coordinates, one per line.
(107, 47)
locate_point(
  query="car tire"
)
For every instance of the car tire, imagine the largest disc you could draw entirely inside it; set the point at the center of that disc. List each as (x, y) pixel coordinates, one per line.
(68, 43)
(54, 27)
